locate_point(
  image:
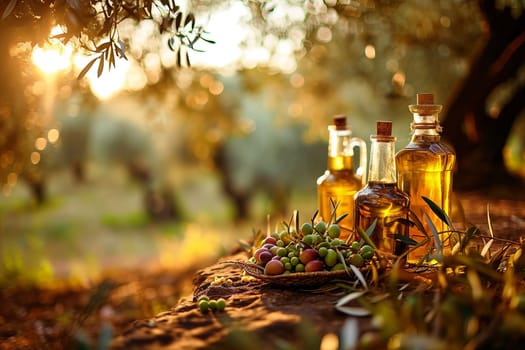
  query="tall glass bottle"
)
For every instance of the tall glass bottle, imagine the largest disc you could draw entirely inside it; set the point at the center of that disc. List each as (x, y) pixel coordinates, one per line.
(341, 180)
(425, 168)
(381, 199)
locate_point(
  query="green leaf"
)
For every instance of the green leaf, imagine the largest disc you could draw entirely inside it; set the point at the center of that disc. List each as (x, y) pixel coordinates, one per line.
(179, 58)
(100, 65)
(350, 297)
(171, 41)
(371, 228)
(489, 222)
(355, 311)
(340, 217)
(416, 222)
(438, 211)
(405, 239)
(86, 69)
(359, 276)
(102, 46)
(207, 40)
(296, 221)
(315, 214)
(9, 8)
(178, 19)
(188, 63)
(172, 6)
(190, 19)
(365, 237)
(112, 58)
(439, 247)
(486, 247)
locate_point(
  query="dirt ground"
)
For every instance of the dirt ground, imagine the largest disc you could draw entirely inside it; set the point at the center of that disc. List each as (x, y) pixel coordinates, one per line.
(90, 314)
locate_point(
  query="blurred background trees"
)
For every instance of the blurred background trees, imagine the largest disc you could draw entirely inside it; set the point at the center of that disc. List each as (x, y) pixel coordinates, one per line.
(244, 90)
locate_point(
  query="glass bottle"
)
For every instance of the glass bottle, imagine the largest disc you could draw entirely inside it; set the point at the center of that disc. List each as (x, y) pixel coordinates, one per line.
(381, 199)
(340, 181)
(425, 170)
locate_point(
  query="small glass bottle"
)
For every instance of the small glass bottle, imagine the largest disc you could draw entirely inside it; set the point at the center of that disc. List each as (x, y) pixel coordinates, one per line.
(340, 181)
(425, 168)
(381, 199)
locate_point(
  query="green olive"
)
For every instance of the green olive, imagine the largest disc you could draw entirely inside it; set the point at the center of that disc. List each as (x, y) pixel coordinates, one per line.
(221, 304)
(334, 231)
(367, 252)
(331, 258)
(323, 251)
(307, 229)
(204, 306)
(320, 227)
(356, 259)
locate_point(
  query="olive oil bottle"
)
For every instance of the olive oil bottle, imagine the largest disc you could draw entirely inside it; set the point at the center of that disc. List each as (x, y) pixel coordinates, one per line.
(425, 168)
(381, 200)
(338, 185)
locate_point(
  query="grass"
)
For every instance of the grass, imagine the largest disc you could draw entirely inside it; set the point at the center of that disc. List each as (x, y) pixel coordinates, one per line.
(79, 231)
(83, 229)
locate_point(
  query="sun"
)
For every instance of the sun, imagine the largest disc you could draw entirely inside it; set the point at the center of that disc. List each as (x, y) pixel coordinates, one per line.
(51, 60)
(53, 57)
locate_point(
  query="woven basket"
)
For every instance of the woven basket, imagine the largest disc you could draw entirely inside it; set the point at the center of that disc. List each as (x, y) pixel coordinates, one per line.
(297, 278)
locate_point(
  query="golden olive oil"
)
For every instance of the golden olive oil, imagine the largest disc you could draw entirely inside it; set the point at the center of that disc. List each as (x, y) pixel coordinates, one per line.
(341, 180)
(425, 169)
(381, 200)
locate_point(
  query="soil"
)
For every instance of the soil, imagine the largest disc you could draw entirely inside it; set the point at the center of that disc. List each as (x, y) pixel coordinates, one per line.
(67, 315)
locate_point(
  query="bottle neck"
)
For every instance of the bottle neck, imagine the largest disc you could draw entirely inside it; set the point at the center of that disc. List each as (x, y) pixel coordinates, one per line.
(425, 125)
(382, 161)
(425, 129)
(340, 151)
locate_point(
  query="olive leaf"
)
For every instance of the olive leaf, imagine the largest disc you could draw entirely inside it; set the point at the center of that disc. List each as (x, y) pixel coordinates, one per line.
(359, 276)
(340, 217)
(489, 222)
(349, 337)
(365, 235)
(314, 215)
(296, 221)
(88, 66)
(433, 229)
(416, 222)
(350, 297)
(486, 248)
(438, 211)
(356, 311)
(10, 7)
(371, 228)
(405, 239)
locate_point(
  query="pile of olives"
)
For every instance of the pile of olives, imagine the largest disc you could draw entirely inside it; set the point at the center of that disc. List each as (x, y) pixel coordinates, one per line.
(316, 248)
(206, 304)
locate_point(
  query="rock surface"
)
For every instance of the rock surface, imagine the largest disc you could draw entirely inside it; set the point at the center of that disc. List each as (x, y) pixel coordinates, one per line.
(257, 316)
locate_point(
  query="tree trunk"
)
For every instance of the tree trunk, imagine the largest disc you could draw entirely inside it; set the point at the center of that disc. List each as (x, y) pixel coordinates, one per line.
(479, 138)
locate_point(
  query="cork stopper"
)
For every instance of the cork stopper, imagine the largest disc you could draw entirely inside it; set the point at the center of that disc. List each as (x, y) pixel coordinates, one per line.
(384, 128)
(383, 131)
(425, 105)
(340, 122)
(425, 99)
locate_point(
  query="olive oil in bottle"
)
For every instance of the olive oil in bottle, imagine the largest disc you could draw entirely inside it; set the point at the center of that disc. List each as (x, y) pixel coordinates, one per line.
(380, 199)
(341, 180)
(425, 168)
